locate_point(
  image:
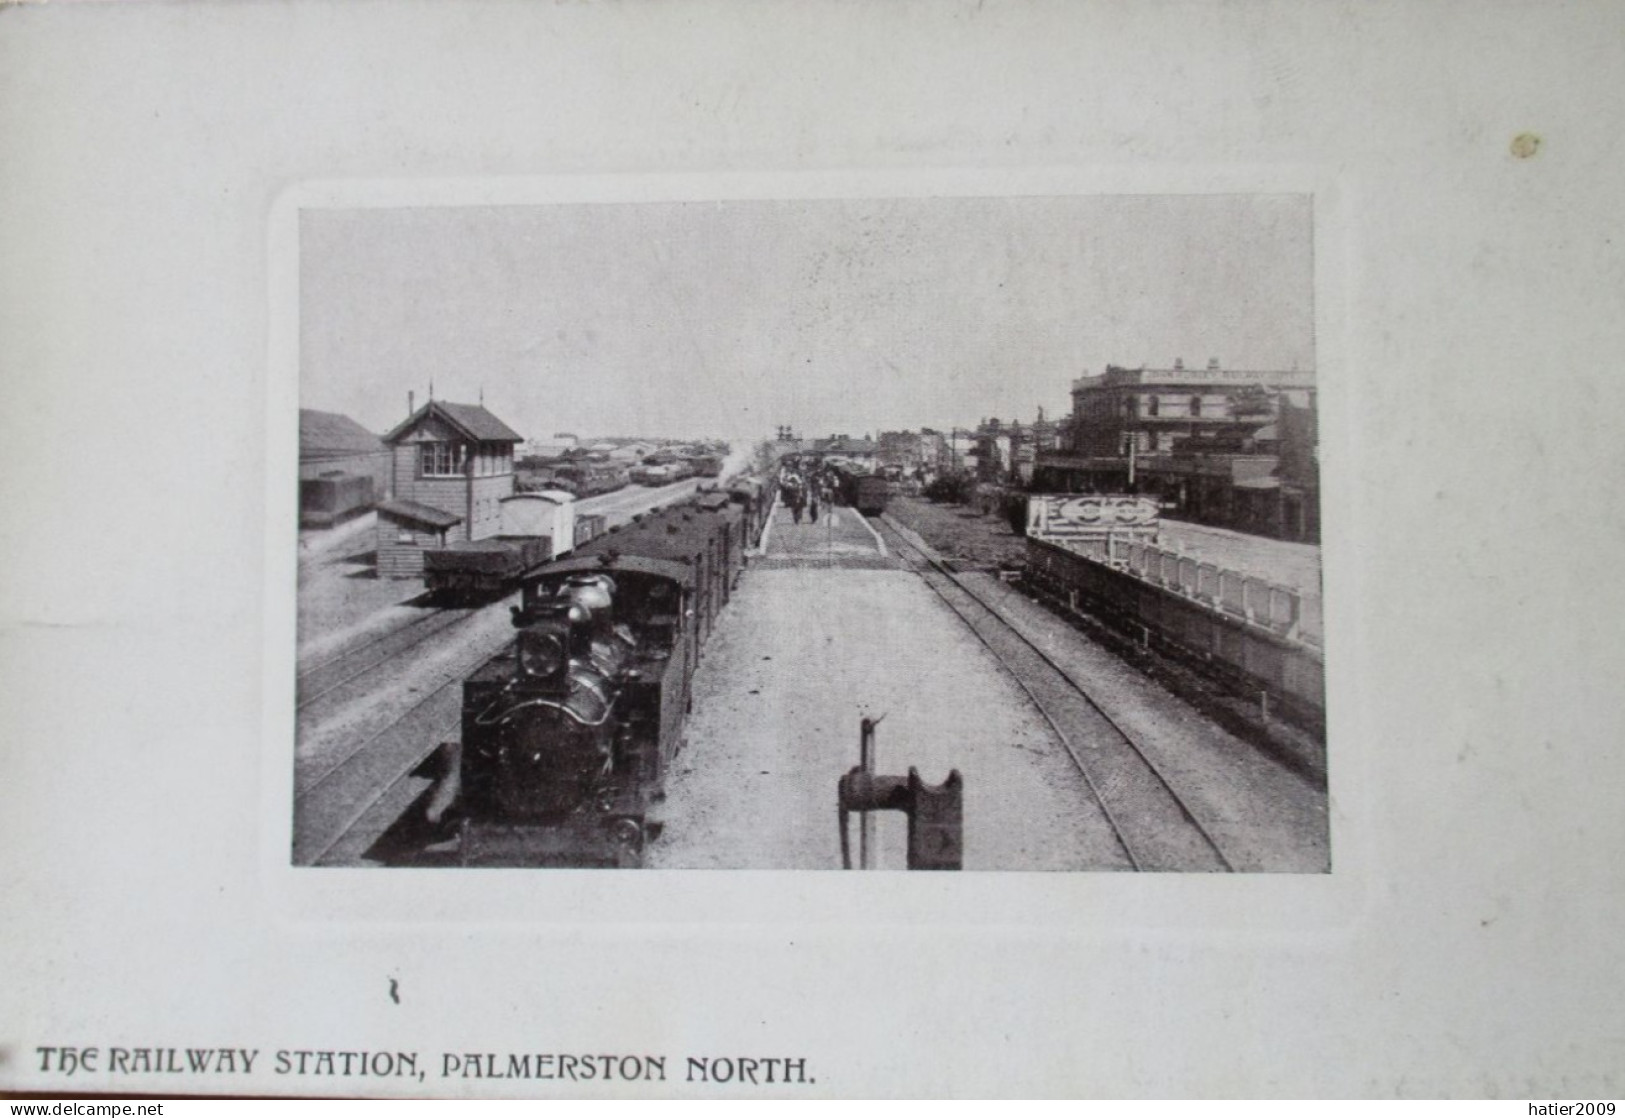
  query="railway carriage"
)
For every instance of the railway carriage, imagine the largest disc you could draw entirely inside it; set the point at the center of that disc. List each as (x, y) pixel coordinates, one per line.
(536, 527)
(590, 478)
(754, 500)
(868, 493)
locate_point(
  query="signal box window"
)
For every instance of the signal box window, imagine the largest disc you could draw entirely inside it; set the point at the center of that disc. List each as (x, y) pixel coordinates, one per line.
(442, 459)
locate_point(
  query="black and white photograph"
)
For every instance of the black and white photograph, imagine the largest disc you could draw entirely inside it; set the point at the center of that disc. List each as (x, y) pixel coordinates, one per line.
(941, 533)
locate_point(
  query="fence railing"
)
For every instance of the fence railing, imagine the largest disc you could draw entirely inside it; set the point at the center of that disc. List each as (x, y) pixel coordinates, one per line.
(1287, 612)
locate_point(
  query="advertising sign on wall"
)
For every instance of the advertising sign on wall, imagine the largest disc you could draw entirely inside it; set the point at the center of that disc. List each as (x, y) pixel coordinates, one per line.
(1067, 516)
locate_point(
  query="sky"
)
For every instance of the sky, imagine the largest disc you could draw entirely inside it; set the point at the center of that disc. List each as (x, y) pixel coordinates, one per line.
(726, 319)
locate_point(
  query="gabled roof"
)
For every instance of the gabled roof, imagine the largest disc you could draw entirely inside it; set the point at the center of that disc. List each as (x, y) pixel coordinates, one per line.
(551, 496)
(414, 513)
(326, 434)
(471, 421)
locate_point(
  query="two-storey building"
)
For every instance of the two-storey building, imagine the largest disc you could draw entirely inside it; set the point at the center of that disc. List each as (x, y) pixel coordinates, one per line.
(452, 466)
(1124, 418)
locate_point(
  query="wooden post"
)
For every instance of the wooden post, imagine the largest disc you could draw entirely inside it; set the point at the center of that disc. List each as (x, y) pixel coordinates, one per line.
(866, 761)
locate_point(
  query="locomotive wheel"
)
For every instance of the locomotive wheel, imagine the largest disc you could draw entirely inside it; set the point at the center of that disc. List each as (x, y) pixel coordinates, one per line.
(628, 833)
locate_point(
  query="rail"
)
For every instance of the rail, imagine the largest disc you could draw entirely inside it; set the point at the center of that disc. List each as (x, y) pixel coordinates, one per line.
(1108, 773)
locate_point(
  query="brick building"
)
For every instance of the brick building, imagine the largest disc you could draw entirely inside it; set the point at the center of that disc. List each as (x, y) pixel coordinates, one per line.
(1210, 442)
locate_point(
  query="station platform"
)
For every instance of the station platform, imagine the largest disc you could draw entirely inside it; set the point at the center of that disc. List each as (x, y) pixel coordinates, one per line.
(827, 628)
(840, 538)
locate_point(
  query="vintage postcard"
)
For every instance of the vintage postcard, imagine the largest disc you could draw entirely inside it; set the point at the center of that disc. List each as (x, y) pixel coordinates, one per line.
(633, 550)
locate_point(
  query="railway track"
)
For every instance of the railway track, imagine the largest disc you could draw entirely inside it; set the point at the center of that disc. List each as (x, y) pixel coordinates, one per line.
(1156, 828)
(317, 682)
(331, 803)
(345, 802)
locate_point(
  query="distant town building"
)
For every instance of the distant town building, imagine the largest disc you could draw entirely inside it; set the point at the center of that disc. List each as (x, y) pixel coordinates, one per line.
(555, 447)
(1208, 441)
(1148, 409)
(934, 455)
(858, 451)
(901, 449)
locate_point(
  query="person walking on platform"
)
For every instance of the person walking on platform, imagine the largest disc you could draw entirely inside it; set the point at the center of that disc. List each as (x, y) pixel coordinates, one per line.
(795, 497)
(812, 502)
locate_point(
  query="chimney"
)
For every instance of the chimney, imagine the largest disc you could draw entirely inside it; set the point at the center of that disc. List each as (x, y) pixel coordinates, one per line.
(411, 402)
(1213, 363)
(1179, 362)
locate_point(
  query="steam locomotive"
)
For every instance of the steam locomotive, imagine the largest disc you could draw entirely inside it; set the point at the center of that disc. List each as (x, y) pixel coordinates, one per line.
(568, 733)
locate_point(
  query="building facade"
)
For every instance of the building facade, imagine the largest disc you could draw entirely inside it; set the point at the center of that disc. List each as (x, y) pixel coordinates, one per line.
(1232, 447)
(1147, 410)
(900, 449)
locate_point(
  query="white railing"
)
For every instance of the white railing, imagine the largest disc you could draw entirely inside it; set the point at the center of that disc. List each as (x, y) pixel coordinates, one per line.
(1284, 611)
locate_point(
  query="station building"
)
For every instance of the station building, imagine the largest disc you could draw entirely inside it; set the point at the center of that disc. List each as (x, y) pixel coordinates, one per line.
(1230, 447)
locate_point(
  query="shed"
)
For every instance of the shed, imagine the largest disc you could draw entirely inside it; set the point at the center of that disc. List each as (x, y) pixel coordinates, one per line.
(405, 530)
(331, 445)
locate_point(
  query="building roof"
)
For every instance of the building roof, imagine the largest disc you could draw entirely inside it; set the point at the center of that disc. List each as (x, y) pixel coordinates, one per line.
(841, 444)
(1118, 376)
(414, 513)
(326, 434)
(551, 496)
(681, 573)
(471, 421)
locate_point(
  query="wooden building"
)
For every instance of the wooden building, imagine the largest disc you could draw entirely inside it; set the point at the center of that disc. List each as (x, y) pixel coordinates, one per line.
(452, 466)
(343, 468)
(457, 458)
(406, 530)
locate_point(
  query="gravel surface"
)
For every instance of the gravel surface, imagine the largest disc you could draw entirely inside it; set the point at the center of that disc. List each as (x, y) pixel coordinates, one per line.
(798, 658)
(621, 505)
(1264, 817)
(961, 534)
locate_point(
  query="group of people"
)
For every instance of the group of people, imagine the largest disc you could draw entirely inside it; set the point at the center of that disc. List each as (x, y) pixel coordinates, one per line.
(805, 491)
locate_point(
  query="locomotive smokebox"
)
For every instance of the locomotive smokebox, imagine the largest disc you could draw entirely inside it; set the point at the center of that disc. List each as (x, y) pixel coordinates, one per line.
(594, 595)
(545, 647)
